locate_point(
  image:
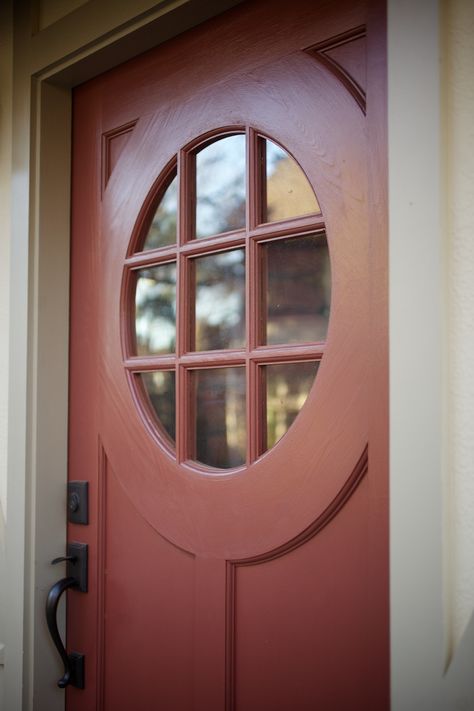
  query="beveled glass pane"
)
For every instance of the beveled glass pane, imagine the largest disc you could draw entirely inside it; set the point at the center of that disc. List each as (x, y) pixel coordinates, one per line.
(162, 231)
(160, 388)
(220, 301)
(296, 290)
(287, 386)
(288, 191)
(155, 309)
(220, 417)
(220, 186)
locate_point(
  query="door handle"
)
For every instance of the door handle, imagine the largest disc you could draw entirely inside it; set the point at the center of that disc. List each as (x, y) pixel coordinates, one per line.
(70, 670)
(76, 578)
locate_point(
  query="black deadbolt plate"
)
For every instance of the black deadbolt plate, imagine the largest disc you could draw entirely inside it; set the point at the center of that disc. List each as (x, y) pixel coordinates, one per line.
(78, 502)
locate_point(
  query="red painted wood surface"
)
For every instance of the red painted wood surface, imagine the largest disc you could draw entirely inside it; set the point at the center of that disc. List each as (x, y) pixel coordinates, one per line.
(266, 588)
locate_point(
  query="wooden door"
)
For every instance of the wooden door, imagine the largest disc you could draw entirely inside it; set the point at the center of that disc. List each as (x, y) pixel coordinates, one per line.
(228, 367)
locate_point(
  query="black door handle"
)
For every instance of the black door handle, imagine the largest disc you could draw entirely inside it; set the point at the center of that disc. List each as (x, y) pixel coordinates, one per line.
(52, 601)
(76, 578)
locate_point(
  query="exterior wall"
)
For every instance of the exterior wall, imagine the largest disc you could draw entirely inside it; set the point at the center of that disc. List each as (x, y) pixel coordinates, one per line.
(6, 40)
(50, 11)
(431, 166)
(416, 337)
(432, 302)
(6, 43)
(458, 169)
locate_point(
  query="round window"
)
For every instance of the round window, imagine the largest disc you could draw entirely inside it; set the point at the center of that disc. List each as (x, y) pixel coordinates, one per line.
(228, 283)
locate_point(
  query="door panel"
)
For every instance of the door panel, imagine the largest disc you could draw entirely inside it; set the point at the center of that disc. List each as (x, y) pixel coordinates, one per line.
(264, 586)
(155, 609)
(283, 599)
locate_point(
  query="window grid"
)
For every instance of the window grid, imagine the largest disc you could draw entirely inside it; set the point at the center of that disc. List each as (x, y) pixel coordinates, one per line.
(187, 248)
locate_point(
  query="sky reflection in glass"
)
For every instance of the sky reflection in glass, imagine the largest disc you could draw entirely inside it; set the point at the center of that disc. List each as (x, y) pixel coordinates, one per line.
(162, 231)
(220, 186)
(155, 309)
(220, 301)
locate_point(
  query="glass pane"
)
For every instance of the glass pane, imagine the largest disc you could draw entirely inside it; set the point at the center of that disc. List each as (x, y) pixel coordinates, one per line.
(297, 290)
(220, 301)
(160, 388)
(220, 186)
(220, 417)
(163, 227)
(289, 193)
(155, 309)
(287, 387)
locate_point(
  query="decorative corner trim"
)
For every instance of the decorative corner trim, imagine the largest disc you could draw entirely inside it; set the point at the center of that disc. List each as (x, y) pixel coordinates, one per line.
(358, 473)
(319, 52)
(107, 138)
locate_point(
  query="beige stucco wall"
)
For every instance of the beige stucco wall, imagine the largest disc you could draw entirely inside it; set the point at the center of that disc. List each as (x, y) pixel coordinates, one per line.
(50, 11)
(5, 196)
(5, 172)
(431, 138)
(431, 164)
(458, 169)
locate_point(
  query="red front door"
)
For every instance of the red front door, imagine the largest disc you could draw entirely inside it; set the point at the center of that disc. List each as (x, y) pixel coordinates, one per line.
(228, 373)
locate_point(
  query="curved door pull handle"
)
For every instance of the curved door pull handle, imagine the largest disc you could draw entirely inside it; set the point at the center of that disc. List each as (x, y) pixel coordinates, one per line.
(76, 578)
(73, 663)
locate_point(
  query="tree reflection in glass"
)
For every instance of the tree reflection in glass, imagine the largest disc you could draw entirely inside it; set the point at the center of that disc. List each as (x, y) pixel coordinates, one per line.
(162, 231)
(221, 435)
(220, 301)
(220, 186)
(297, 290)
(289, 193)
(160, 389)
(155, 309)
(287, 386)
(289, 281)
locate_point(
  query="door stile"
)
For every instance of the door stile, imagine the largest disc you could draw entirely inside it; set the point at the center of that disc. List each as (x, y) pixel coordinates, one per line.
(210, 634)
(376, 118)
(101, 573)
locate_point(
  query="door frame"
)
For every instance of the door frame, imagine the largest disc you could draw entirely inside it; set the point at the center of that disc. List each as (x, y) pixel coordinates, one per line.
(39, 252)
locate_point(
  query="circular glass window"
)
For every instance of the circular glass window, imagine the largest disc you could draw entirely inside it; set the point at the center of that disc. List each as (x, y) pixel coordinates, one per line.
(228, 282)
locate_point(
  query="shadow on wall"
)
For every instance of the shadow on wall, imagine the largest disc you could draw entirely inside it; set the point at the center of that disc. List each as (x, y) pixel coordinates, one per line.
(2, 603)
